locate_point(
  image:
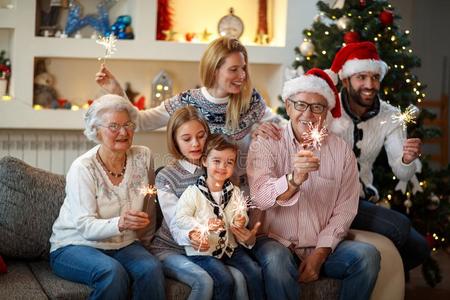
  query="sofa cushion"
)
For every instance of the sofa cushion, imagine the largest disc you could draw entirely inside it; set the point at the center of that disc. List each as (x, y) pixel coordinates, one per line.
(30, 199)
(58, 288)
(19, 283)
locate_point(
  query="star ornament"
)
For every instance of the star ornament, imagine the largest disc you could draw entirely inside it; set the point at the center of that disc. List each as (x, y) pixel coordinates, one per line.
(109, 43)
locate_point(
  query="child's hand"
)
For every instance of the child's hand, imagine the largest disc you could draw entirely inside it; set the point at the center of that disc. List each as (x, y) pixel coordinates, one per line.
(243, 235)
(198, 242)
(239, 221)
(216, 225)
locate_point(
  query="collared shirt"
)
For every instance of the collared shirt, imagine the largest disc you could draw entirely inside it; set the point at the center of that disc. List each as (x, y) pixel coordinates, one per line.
(320, 213)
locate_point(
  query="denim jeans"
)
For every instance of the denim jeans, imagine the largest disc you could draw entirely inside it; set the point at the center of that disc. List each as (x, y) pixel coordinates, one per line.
(395, 226)
(224, 284)
(355, 263)
(110, 272)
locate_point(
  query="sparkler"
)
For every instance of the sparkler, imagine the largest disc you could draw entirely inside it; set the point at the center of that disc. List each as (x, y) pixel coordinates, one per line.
(203, 229)
(244, 203)
(110, 45)
(407, 117)
(314, 136)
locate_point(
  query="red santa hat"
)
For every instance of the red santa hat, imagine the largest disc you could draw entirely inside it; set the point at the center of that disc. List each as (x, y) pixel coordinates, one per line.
(358, 57)
(315, 81)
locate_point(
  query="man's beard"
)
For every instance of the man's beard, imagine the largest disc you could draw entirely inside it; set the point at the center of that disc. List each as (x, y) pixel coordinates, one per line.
(356, 96)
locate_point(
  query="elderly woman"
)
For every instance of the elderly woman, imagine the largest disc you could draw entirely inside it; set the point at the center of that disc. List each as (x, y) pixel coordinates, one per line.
(95, 237)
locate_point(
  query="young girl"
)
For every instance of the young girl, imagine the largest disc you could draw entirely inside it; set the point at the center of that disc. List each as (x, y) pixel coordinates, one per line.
(206, 212)
(186, 135)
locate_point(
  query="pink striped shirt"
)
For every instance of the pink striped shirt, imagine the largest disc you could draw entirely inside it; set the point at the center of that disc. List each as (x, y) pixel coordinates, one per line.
(320, 213)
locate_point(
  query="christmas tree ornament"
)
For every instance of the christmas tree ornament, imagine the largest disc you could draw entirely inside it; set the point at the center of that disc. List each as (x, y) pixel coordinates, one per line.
(122, 28)
(386, 17)
(343, 23)
(362, 3)
(351, 37)
(306, 48)
(433, 202)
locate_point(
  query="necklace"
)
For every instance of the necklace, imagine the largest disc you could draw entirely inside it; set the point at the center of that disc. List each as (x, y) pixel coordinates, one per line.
(112, 173)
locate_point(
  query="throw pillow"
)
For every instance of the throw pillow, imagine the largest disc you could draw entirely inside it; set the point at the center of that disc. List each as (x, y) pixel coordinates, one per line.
(30, 199)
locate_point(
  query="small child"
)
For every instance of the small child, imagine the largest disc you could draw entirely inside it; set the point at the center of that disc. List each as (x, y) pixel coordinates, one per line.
(208, 210)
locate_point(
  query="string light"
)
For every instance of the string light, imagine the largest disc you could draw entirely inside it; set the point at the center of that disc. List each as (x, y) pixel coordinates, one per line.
(324, 52)
(327, 33)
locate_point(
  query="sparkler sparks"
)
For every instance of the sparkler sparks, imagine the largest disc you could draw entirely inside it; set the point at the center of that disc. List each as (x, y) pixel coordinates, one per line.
(110, 45)
(203, 229)
(314, 136)
(149, 190)
(244, 203)
(407, 117)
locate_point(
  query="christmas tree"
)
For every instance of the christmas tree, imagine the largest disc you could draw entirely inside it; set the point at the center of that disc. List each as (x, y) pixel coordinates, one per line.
(374, 20)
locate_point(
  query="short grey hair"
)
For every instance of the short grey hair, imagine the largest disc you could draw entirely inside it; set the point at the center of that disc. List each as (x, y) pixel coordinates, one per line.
(105, 104)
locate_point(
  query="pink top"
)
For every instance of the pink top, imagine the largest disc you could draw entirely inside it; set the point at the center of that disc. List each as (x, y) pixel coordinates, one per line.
(320, 213)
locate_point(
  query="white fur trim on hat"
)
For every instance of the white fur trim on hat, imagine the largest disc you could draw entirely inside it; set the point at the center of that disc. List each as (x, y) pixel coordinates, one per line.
(309, 84)
(355, 66)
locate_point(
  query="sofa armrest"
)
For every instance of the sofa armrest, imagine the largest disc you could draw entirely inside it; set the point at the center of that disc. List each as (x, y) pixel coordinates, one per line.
(391, 279)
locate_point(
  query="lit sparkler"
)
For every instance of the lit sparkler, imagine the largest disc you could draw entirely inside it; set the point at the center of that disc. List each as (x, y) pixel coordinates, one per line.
(244, 203)
(149, 190)
(203, 229)
(407, 117)
(314, 136)
(110, 45)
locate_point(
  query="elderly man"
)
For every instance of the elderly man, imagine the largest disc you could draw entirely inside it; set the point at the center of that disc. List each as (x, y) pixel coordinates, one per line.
(366, 125)
(309, 198)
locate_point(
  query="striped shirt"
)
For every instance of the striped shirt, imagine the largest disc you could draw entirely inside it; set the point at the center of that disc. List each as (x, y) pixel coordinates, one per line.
(320, 213)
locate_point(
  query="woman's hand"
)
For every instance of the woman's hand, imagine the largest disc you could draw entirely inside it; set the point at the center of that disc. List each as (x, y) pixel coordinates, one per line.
(216, 225)
(106, 80)
(243, 235)
(198, 241)
(133, 220)
(268, 130)
(239, 221)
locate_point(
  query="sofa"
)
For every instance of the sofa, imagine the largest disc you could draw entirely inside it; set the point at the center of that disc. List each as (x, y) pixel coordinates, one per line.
(30, 199)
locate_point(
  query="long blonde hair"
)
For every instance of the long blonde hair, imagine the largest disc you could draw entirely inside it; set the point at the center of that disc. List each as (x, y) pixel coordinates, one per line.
(213, 58)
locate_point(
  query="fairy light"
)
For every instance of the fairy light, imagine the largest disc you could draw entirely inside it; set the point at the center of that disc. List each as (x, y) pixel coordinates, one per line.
(37, 107)
(389, 196)
(326, 33)
(393, 38)
(75, 108)
(308, 33)
(410, 50)
(6, 98)
(408, 80)
(375, 39)
(407, 31)
(313, 136)
(109, 43)
(393, 178)
(349, 14)
(324, 52)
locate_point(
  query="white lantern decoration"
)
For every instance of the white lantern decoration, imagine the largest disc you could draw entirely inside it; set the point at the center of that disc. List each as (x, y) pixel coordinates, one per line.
(161, 88)
(307, 48)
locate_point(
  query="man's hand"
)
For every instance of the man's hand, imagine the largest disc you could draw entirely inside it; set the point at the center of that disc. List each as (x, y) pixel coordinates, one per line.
(133, 220)
(106, 80)
(268, 130)
(411, 150)
(309, 269)
(243, 235)
(304, 162)
(198, 242)
(239, 221)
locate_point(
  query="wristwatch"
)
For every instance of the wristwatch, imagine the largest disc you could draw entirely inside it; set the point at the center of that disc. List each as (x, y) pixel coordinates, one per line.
(290, 179)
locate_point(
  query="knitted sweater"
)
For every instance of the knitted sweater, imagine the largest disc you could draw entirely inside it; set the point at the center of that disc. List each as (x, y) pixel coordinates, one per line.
(214, 111)
(93, 205)
(368, 134)
(171, 182)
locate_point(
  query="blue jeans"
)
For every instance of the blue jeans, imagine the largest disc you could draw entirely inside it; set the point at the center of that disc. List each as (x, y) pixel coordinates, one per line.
(109, 272)
(355, 263)
(395, 226)
(224, 285)
(181, 268)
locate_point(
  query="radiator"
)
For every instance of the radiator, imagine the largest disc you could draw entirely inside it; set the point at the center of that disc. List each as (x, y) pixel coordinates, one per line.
(53, 151)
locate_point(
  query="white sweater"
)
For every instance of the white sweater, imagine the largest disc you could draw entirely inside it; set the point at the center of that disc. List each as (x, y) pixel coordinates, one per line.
(193, 208)
(378, 131)
(93, 205)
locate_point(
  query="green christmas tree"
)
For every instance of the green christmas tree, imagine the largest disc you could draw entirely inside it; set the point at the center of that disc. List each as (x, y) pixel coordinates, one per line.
(374, 20)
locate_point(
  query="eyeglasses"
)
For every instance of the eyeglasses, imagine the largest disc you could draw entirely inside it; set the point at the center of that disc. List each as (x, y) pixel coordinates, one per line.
(114, 127)
(315, 108)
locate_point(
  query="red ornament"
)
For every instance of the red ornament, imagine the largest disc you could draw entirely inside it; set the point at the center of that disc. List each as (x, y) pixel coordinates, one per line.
(351, 37)
(3, 268)
(140, 103)
(362, 3)
(386, 17)
(430, 240)
(189, 36)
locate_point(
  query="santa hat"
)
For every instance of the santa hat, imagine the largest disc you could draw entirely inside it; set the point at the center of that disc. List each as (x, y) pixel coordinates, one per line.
(315, 81)
(358, 57)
